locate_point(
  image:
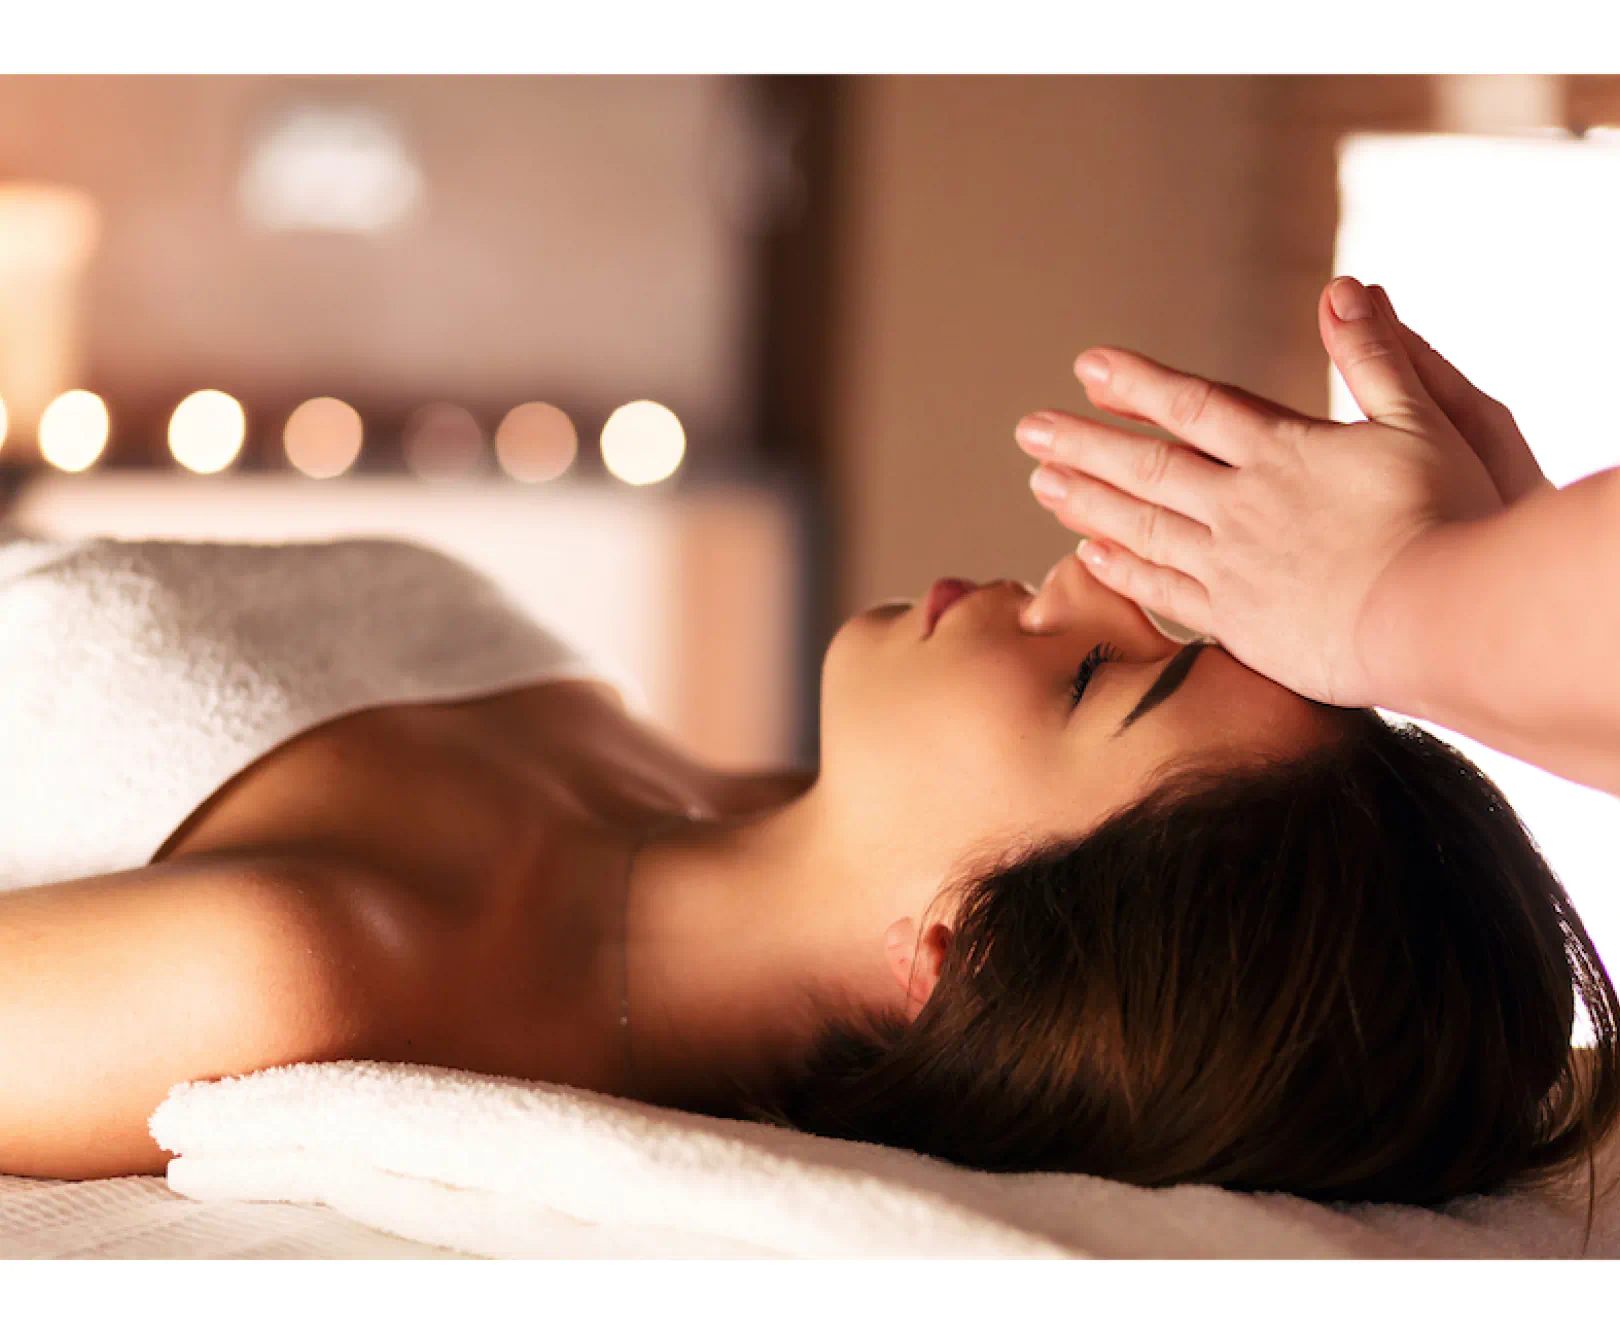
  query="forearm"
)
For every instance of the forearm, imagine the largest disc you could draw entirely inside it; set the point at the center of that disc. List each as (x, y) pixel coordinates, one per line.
(1507, 630)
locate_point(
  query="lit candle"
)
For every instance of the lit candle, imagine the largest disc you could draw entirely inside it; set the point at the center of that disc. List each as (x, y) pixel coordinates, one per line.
(47, 236)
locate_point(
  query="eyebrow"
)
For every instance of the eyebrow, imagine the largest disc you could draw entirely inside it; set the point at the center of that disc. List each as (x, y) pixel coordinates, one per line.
(1168, 682)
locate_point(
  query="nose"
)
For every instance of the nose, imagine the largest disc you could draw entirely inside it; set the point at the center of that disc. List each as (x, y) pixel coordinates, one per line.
(1068, 586)
(1059, 593)
(1069, 590)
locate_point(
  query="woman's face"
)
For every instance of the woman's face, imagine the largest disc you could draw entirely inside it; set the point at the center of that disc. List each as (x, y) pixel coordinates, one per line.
(962, 735)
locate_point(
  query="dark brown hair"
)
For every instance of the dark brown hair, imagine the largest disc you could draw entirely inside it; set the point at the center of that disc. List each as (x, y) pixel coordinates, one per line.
(1348, 975)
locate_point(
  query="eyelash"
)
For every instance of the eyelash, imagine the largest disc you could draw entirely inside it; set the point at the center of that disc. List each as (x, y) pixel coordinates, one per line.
(1104, 652)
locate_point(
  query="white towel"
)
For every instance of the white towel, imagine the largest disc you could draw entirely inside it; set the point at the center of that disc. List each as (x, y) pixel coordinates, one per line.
(488, 1165)
(136, 678)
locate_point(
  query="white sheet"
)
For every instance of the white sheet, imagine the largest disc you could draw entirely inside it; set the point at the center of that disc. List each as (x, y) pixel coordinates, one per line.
(140, 1218)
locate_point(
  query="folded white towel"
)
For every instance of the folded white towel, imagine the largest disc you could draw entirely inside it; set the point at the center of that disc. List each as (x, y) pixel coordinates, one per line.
(467, 1160)
(486, 1165)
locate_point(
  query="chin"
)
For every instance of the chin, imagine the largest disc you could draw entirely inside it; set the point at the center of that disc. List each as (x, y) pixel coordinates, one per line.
(851, 672)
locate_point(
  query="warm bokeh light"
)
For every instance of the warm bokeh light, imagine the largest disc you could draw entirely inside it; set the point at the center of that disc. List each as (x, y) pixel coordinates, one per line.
(443, 440)
(536, 442)
(3, 422)
(317, 166)
(73, 430)
(643, 443)
(207, 430)
(323, 437)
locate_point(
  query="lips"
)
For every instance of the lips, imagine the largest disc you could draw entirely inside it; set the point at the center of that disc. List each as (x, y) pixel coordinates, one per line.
(941, 595)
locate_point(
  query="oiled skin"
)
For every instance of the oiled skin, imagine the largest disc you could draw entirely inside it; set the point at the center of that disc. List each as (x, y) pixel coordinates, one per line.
(409, 883)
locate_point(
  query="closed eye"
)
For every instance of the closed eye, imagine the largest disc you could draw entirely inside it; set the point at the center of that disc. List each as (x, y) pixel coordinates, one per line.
(1104, 652)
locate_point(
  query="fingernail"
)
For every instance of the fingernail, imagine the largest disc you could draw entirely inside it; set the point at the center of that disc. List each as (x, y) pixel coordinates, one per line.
(1035, 431)
(1349, 299)
(1093, 368)
(1047, 484)
(1093, 555)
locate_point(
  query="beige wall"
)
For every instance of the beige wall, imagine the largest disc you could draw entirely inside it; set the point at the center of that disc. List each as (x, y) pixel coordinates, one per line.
(573, 241)
(994, 227)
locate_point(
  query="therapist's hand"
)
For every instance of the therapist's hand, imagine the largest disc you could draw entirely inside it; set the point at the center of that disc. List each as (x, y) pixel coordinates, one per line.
(1272, 531)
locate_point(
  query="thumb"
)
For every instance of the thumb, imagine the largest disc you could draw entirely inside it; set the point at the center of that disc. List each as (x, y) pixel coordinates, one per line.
(1452, 391)
(1369, 352)
(1481, 420)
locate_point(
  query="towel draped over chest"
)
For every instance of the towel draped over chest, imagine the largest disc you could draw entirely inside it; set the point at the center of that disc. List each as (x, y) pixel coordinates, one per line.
(137, 678)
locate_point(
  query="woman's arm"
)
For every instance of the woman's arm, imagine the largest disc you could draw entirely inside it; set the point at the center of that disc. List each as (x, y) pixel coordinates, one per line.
(115, 988)
(1508, 629)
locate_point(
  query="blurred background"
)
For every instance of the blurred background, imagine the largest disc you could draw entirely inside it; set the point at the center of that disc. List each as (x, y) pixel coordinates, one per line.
(698, 366)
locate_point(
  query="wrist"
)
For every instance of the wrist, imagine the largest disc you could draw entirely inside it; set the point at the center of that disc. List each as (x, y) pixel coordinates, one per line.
(1392, 642)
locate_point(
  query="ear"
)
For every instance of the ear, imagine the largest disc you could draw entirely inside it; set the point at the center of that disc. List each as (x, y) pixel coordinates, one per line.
(916, 962)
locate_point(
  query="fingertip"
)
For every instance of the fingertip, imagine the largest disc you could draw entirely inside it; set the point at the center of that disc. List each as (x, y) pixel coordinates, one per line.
(1036, 430)
(1092, 367)
(1349, 300)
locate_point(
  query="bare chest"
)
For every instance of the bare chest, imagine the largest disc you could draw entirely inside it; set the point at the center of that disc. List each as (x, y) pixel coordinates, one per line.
(460, 793)
(478, 830)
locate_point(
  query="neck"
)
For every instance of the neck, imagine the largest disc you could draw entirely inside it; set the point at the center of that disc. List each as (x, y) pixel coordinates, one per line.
(738, 937)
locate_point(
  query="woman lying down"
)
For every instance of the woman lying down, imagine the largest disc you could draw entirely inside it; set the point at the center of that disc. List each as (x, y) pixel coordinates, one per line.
(1063, 894)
